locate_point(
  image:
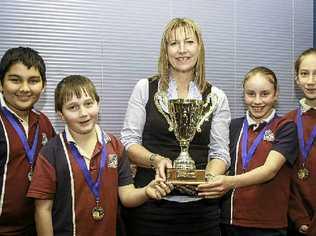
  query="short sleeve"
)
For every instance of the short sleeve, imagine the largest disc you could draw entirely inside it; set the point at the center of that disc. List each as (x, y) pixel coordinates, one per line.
(43, 184)
(124, 169)
(286, 142)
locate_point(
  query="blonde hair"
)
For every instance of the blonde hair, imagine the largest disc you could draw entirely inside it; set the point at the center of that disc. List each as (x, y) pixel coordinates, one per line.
(163, 64)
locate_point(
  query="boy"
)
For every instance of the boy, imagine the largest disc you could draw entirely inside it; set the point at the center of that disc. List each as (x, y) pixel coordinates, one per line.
(80, 172)
(23, 131)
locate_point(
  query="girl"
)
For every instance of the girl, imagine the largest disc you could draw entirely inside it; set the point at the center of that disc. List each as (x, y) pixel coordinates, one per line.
(302, 203)
(263, 149)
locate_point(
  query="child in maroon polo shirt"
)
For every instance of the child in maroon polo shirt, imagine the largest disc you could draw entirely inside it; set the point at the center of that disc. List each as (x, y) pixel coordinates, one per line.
(23, 131)
(263, 150)
(302, 208)
(81, 173)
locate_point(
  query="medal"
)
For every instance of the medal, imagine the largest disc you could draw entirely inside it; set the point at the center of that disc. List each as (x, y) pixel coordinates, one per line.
(30, 174)
(305, 147)
(94, 186)
(29, 151)
(302, 173)
(97, 212)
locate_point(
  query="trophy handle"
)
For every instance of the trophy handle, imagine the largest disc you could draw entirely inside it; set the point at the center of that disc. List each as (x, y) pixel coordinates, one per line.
(208, 108)
(161, 98)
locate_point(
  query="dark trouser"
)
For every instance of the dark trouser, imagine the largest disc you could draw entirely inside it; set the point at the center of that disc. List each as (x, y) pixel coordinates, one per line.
(232, 230)
(292, 231)
(166, 218)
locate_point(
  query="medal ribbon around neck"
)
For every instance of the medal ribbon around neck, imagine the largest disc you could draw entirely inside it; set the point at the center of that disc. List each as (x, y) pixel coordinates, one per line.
(248, 155)
(305, 148)
(30, 152)
(93, 186)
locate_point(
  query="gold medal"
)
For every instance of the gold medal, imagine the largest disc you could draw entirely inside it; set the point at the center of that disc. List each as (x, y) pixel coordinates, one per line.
(302, 173)
(30, 174)
(97, 213)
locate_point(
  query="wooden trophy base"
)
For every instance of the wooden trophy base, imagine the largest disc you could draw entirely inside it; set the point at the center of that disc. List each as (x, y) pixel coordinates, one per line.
(185, 177)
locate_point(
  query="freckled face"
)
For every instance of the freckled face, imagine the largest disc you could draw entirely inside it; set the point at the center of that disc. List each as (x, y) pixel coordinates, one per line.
(183, 50)
(260, 96)
(80, 114)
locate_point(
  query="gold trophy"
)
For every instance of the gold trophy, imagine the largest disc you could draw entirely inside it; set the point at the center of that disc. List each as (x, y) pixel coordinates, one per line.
(186, 116)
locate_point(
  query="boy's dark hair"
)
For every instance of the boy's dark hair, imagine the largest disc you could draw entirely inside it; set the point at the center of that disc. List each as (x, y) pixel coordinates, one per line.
(73, 85)
(27, 56)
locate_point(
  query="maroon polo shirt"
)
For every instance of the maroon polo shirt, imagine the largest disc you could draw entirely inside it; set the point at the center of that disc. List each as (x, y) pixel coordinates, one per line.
(17, 211)
(302, 208)
(262, 205)
(116, 173)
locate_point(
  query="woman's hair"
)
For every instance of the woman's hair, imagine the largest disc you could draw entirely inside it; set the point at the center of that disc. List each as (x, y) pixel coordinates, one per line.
(269, 74)
(301, 57)
(73, 85)
(188, 26)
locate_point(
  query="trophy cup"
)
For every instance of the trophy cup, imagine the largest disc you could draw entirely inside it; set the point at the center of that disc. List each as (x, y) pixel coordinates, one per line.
(185, 116)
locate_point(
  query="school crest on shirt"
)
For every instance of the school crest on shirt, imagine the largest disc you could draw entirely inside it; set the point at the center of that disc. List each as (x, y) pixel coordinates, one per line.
(268, 135)
(44, 139)
(113, 161)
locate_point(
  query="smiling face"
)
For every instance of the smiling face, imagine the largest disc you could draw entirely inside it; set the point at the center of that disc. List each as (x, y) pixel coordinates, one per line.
(260, 96)
(80, 114)
(22, 88)
(183, 50)
(306, 78)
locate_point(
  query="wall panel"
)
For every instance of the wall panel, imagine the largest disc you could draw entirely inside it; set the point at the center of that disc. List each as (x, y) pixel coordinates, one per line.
(116, 43)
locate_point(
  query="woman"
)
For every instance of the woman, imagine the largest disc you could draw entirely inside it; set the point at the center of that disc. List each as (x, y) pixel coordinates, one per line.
(263, 150)
(150, 145)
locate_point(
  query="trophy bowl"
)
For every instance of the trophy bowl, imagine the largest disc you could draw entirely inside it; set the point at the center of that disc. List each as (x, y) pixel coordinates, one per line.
(185, 116)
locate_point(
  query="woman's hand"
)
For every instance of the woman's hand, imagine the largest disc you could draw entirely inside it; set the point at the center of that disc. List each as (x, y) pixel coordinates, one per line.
(161, 165)
(157, 189)
(215, 187)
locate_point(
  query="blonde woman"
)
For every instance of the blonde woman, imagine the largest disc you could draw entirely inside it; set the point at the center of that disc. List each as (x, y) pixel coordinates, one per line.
(152, 147)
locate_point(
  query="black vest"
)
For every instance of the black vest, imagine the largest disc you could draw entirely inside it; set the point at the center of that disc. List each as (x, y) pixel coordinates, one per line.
(157, 139)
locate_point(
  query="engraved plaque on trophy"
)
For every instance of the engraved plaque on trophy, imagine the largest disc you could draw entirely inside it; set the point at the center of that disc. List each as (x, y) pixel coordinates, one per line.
(185, 116)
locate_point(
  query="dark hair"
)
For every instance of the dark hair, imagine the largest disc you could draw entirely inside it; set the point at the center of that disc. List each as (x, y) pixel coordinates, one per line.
(27, 56)
(264, 71)
(301, 57)
(73, 85)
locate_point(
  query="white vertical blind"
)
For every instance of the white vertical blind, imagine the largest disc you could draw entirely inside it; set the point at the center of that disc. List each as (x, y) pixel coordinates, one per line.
(116, 42)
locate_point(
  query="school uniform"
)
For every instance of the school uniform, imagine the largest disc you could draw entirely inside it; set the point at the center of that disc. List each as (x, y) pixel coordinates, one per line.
(16, 210)
(261, 207)
(58, 177)
(302, 207)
